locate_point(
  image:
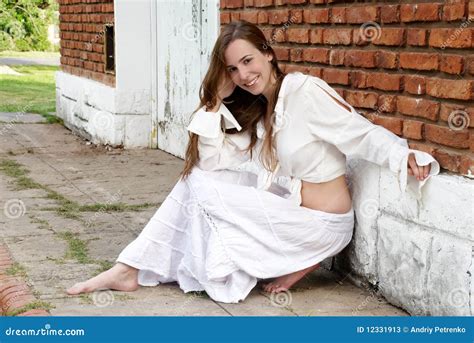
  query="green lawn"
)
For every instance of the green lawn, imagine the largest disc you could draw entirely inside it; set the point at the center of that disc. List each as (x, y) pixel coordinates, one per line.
(32, 92)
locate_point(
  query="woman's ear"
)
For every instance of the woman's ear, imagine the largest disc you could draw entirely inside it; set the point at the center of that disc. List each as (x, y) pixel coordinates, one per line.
(269, 57)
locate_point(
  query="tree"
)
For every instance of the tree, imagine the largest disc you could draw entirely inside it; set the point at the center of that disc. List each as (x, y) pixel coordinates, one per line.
(24, 24)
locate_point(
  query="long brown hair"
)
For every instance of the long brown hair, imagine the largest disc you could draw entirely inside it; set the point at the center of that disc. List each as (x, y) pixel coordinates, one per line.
(247, 108)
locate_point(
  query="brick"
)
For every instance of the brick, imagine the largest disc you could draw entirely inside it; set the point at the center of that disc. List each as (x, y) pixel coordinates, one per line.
(296, 2)
(262, 17)
(392, 124)
(290, 68)
(249, 3)
(298, 35)
(316, 16)
(412, 129)
(451, 38)
(450, 89)
(318, 55)
(384, 81)
(470, 65)
(418, 107)
(470, 15)
(35, 312)
(391, 37)
(250, 16)
(390, 14)
(277, 17)
(457, 116)
(338, 15)
(336, 57)
(316, 36)
(337, 36)
(361, 14)
(466, 165)
(315, 71)
(225, 18)
(359, 58)
(447, 160)
(419, 61)
(453, 12)
(451, 64)
(428, 148)
(296, 16)
(332, 75)
(263, 3)
(234, 3)
(283, 54)
(296, 55)
(419, 12)
(386, 59)
(234, 16)
(279, 35)
(415, 84)
(447, 136)
(361, 99)
(416, 37)
(387, 103)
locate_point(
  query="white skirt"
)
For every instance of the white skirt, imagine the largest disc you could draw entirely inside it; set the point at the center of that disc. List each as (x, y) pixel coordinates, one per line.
(216, 232)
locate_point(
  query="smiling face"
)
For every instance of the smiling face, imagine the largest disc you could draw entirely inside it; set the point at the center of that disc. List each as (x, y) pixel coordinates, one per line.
(249, 68)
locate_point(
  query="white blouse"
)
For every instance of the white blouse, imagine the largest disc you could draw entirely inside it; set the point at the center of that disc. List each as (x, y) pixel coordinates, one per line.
(312, 133)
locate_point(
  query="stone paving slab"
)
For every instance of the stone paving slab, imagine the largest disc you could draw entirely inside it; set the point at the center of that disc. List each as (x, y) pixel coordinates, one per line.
(89, 174)
(20, 117)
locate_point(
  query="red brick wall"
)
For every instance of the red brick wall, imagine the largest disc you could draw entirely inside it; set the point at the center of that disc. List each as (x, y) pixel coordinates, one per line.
(412, 71)
(82, 37)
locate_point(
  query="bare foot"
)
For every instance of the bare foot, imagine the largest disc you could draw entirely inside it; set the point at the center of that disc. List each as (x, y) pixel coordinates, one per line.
(120, 277)
(284, 283)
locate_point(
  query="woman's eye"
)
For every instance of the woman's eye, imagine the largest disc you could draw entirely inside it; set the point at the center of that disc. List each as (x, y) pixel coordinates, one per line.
(247, 61)
(230, 70)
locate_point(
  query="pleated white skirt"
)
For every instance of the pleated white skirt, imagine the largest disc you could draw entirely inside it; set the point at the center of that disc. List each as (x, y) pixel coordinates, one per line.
(216, 232)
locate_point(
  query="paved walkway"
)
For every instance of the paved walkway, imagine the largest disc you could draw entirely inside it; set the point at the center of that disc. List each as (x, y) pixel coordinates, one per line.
(55, 224)
(29, 61)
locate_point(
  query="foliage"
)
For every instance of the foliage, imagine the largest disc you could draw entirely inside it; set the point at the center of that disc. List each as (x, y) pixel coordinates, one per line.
(24, 24)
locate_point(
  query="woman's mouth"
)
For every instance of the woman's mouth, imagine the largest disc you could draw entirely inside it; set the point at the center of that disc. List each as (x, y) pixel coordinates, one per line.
(251, 83)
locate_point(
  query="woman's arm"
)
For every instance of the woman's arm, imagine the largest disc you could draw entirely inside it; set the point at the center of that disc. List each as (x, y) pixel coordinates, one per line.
(333, 120)
(218, 150)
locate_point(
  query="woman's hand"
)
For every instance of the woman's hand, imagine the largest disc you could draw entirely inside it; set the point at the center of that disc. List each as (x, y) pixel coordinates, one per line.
(420, 172)
(226, 87)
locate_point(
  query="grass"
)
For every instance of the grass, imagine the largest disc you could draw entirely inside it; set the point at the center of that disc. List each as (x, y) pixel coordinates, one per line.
(31, 306)
(66, 208)
(32, 92)
(16, 269)
(77, 248)
(27, 54)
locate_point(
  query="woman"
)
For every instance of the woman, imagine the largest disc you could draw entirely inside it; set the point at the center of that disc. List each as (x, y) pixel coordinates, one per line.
(222, 230)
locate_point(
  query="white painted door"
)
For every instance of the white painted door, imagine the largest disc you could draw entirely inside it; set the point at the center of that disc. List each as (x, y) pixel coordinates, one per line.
(186, 31)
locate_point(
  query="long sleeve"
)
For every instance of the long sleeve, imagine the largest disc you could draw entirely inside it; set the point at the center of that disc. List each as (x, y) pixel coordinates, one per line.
(356, 136)
(218, 150)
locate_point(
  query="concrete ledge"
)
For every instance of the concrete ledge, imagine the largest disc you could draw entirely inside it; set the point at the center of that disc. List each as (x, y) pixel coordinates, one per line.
(418, 253)
(103, 114)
